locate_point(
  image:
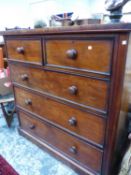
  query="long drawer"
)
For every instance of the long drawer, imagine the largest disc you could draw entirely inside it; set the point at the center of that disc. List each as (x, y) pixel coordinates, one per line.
(92, 54)
(82, 90)
(89, 127)
(80, 152)
(28, 50)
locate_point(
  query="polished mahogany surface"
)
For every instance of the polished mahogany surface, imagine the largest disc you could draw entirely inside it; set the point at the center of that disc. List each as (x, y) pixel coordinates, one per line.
(68, 84)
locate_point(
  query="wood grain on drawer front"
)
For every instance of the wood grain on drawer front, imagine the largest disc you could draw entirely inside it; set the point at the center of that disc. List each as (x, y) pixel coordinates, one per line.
(90, 54)
(90, 127)
(77, 150)
(25, 50)
(87, 91)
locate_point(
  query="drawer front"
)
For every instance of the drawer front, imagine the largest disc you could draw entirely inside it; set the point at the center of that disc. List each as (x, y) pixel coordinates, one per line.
(25, 50)
(87, 126)
(82, 54)
(86, 91)
(77, 150)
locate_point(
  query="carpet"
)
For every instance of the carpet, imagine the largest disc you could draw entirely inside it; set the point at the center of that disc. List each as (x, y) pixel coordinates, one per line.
(25, 157)
(6, 168)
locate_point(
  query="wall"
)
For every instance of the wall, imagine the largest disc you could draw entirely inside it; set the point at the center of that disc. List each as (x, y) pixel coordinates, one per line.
(23, 13)
(14, 13)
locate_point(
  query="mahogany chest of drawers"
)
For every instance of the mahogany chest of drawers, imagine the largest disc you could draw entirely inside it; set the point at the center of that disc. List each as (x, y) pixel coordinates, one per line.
(68, 85)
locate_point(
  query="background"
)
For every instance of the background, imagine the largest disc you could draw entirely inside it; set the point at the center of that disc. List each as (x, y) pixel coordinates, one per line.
(24, 13)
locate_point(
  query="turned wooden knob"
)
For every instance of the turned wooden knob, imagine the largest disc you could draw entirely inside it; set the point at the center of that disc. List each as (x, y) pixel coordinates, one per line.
(20, 50)
(129, 136)
(73, 90)
(72, 121)
(73, 149)
(72, 53)
(24, 77)
(32, 126)
(28, 102)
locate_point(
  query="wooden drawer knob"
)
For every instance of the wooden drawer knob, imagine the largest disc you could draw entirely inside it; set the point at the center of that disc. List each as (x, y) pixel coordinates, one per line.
(73, 90)
(20, 50)
(24, 77)
(73, 149)
(72, 121)
(129, 136)
(28, 102)
(72, 53)
(32, 126)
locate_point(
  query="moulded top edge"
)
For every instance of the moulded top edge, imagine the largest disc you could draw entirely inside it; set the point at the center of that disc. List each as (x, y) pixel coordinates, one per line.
(90, 28)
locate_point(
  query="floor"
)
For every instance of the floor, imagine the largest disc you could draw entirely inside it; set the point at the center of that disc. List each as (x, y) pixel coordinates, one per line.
(25, 157)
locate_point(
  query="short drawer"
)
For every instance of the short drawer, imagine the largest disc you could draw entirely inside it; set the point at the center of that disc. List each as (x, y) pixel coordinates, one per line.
(77, 150)
(81, 90)
(25, 50)
(94, 55)
(84, 125)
